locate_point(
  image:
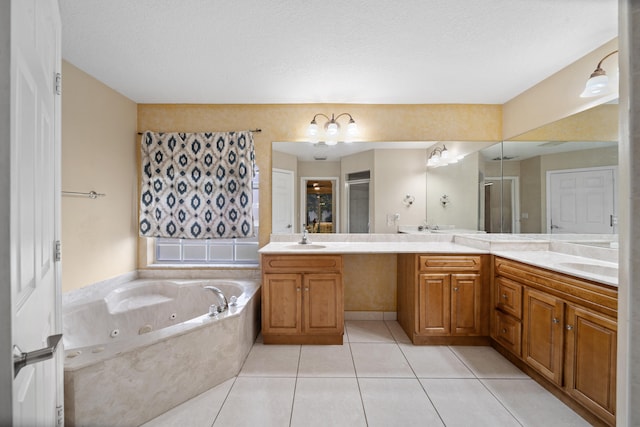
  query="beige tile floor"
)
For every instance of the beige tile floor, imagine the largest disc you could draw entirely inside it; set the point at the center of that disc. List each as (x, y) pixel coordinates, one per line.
(377, 378)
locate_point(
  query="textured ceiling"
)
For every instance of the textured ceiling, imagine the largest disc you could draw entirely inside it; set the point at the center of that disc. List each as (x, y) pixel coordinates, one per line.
(343, 51)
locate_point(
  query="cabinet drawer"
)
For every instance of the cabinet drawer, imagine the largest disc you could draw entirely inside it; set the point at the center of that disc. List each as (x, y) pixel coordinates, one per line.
(302, 263)
(508, 332)
(449, 263)
(508, 296)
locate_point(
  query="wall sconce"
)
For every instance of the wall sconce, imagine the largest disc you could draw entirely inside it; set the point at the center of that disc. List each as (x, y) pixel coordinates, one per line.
(408, 200)
(440, 156)
(444, 200)
(598, 83)
(331, 129)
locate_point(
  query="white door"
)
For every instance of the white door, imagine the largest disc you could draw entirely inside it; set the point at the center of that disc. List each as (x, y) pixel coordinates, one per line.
(282, 201)
(581, 201)
(35, 151)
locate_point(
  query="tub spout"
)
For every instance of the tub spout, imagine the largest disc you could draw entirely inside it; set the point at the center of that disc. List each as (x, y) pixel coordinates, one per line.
(225, 305)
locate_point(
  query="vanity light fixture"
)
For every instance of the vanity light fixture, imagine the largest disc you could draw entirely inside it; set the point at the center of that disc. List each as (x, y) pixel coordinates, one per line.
(331, 129)
(438, 156)
(598, 83)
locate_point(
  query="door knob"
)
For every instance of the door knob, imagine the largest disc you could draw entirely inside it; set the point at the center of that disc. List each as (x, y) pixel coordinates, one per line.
(22, 359)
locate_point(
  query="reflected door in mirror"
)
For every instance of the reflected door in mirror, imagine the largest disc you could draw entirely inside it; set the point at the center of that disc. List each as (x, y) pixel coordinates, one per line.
(282, 196)
(320, 206)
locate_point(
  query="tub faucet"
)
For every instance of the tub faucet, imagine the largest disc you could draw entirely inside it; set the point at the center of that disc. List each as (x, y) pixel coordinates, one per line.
(221, 297)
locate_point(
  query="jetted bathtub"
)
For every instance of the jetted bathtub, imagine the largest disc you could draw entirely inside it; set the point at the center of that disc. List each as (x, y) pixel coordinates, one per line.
(138, 350)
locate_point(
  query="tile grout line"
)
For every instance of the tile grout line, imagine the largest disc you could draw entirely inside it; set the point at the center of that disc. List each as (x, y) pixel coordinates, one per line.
(500, 400)
(295, 385)
(226, 397)
(435, 408)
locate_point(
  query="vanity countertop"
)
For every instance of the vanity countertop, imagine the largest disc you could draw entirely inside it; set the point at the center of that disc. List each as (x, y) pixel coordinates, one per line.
(575, 260)
(578, 266)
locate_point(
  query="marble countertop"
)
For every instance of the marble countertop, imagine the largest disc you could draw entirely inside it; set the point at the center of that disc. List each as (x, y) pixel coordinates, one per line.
(578, 266)
(549, 252)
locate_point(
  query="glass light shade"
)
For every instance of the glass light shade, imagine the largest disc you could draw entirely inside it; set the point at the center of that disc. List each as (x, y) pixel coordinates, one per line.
(331, 141)
(445, 152)
(596, 85)
(332, 128)
(352, 128)
(312, 130)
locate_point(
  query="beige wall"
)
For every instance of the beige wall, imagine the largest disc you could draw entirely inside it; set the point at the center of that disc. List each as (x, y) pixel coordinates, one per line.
(557, 97)
(98, 153)
(398, 173)
(460, 182)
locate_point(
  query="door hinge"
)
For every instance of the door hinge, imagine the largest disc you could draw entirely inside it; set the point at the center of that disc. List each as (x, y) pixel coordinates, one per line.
(59, 415)
(58, 83)
(57, 251)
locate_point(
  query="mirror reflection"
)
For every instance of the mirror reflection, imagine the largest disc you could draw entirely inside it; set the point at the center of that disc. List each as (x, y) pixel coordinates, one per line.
(560, 178)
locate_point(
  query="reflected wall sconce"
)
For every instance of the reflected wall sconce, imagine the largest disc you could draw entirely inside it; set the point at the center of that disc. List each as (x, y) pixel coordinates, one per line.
(408, 200)
(598, 83)
(330, 131)
(440, 156)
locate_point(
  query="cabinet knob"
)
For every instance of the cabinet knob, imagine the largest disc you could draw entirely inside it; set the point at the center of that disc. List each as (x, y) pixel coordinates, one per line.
(555, 321)
(504, 330)
(504, 296)
(306, 289)
(298, 289)
(569, 327)
(455, 289)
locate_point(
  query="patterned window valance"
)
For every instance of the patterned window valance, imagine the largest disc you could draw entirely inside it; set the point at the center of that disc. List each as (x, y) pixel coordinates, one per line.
(197, 185)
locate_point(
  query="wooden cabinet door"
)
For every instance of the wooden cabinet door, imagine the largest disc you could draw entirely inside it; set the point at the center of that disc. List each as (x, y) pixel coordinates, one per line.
(465, 304)
(323, 307)
(542, 345)
(282, 303)
(434, 304)
(590, 364)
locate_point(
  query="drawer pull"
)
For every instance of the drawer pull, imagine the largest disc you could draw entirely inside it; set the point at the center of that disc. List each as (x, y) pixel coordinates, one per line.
(569, 327)
(504, 296)
(298, 289)
(504, 330)
(306, 289)
(555, 320)
(455, 289)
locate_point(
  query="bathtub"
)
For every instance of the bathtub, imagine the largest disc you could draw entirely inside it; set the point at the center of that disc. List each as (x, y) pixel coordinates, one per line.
(135, 350)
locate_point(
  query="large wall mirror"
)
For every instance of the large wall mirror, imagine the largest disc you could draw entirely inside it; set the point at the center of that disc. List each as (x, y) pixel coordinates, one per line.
(560, 178)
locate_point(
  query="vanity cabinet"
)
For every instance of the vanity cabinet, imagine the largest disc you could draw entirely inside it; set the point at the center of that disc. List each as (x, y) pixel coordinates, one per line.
(443, 298)
(569, 332)
(302, 299)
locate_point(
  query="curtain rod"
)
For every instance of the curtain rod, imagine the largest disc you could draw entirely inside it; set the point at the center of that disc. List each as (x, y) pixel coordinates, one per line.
(251, 130)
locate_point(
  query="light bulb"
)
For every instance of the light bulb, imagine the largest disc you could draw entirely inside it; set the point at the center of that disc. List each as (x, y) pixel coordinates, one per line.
(598, 84)
(332, 128)
(352, 128)
(312, 130)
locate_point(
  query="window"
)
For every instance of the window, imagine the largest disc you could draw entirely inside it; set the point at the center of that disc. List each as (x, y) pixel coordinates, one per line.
(240, 251)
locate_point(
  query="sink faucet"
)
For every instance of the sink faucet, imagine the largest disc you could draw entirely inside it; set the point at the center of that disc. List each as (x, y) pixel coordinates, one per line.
(305, 239)
(221, 297)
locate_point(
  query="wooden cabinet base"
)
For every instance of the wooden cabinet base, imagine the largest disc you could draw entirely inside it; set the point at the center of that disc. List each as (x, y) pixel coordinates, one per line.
(303, 339)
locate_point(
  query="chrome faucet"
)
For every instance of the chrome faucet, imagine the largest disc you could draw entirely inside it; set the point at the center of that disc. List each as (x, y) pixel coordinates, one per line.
(221, 297)
(305, 239)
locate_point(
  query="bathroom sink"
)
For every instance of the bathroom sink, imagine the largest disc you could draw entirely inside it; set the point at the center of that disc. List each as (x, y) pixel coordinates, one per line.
(601, 270)
(307, 246)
